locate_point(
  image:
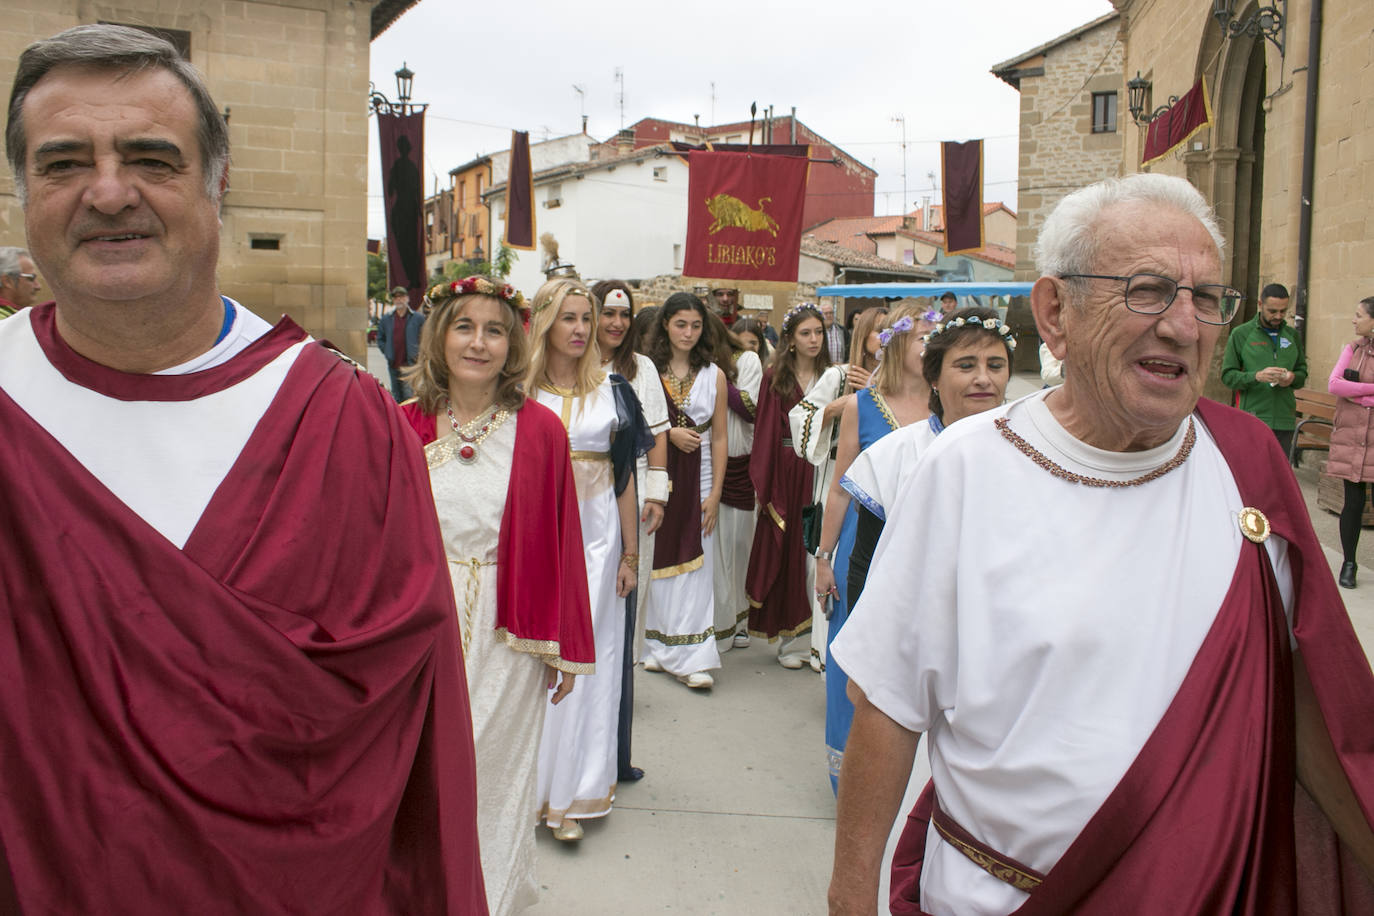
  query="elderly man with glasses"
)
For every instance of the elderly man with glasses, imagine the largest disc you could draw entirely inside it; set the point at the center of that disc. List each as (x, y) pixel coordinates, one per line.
(18, 280)
(1117, 716)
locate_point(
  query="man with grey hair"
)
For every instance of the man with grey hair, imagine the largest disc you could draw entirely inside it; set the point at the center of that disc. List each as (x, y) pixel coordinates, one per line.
(18, 280)
(221, 697)
(1117, 716)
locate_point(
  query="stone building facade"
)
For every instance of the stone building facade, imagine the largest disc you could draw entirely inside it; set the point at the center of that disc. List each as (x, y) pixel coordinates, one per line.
(1073, 118)
(292, 76)
(1250, 163)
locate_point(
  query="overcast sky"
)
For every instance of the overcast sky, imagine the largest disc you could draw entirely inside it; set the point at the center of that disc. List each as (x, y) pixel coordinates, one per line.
(850, 70)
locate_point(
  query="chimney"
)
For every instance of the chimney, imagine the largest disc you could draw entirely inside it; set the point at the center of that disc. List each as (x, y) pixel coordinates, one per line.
(584, 125)
(625, 140)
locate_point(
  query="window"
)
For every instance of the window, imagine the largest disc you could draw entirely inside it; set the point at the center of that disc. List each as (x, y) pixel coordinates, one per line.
(660, 173)
(264, 242)
(1104, 112)
(555, 196)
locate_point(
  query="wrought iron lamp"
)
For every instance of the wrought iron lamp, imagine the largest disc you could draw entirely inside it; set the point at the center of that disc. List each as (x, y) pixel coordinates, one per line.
(1138, 93)
(1266, 20)
(405, 81)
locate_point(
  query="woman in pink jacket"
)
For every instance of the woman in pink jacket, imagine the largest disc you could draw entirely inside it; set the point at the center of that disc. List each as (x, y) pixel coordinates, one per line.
(1352, 439)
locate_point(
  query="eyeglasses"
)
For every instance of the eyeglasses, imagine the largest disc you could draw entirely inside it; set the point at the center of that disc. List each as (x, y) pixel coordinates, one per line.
(32, 278)
(1151, 294)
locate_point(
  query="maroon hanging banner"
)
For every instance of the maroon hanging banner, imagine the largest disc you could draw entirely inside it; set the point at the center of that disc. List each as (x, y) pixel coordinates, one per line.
(403, 143)
(961, 165)
(520, 194)
(1178, 123)
(744, 215)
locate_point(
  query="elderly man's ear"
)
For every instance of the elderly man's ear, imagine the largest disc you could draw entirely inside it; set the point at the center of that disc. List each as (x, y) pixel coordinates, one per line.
(1047, 305)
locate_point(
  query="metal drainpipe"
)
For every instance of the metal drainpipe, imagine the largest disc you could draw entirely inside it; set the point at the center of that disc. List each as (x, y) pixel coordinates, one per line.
(1309, 168)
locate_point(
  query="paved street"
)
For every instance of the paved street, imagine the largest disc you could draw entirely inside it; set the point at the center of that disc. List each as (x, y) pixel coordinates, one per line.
(735, 815)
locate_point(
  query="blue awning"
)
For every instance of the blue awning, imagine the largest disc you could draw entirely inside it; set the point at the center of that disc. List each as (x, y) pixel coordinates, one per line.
(905, 290)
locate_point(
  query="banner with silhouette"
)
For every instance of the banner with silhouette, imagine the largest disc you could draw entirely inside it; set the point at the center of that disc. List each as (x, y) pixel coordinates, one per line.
(520, 194)
(962, 179)
(403, 144)
(1177, 124)
(744, 215)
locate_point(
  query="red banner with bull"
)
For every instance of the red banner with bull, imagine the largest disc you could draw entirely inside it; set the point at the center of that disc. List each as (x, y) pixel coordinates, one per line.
(744, 216)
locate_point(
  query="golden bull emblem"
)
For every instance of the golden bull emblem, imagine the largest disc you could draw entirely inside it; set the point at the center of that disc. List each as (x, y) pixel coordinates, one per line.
(733, 213)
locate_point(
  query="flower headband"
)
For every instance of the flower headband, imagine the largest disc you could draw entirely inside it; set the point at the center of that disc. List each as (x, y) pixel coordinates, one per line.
(796, 313)
(900, 326)
(988, 324)
(573, 291)
(478, 286)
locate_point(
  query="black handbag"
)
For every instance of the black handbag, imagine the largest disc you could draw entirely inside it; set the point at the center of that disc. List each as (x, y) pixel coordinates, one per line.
(811, 527)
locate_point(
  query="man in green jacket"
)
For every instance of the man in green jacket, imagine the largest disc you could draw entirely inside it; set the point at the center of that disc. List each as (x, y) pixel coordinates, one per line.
(1265, 363)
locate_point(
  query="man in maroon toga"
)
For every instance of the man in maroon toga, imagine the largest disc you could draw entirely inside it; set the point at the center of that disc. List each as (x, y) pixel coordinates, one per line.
(1159, 708)
(220, 693)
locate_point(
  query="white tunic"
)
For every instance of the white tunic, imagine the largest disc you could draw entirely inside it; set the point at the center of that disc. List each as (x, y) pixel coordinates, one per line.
(506, 688)
(813, 439)
(735, 527)
(654, 406)
(577, 765)
(1038, 667)
(162, 459)
(680, 632)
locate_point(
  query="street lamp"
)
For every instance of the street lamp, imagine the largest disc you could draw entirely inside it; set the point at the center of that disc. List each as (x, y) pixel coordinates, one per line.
(1266, 20)
(1138, 93)
(405, 82)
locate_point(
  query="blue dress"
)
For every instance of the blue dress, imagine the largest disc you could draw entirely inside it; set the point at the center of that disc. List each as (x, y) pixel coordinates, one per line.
(875, 421)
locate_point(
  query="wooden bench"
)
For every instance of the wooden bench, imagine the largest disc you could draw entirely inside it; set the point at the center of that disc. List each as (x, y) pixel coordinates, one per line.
(1315, 414)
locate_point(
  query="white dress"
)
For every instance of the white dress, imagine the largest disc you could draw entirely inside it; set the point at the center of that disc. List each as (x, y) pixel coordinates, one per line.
(814, 441)
(654, 406)
(506, 688)
(680, 631)
(577, 756)
(735, 528)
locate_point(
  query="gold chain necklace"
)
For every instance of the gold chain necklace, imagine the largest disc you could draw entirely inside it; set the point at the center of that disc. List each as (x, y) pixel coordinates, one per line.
(1063, 473)
(680, 390)
(475, 431)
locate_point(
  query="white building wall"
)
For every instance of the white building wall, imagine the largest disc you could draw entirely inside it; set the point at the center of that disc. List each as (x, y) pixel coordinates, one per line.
(614, 222)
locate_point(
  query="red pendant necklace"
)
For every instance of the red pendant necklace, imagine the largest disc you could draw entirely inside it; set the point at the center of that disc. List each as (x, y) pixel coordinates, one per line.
(475, 432)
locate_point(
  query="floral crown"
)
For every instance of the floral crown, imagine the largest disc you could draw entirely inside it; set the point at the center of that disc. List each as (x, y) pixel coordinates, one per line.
(796, 313)
(478, 286)
(988, 324)
(900, 326)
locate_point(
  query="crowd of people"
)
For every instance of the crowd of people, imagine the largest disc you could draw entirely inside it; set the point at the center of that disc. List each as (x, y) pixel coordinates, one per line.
(225, 699)
(620, 452)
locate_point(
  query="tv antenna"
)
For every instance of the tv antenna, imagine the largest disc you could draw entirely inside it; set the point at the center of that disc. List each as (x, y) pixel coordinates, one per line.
(620, 92)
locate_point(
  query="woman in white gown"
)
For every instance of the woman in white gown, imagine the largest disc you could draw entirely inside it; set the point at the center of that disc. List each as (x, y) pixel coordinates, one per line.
(605, 427)
(499, 519)
(617, 338)
(679, 636)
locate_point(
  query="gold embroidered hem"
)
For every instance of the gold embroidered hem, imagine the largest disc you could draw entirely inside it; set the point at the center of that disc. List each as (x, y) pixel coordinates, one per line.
(668, 572)
(749, 404)
(546, 650)
(810, 409)
(580, 808)
(803, 627)
(777, 519)
(685, 639)
(740, 618)
(885, 410)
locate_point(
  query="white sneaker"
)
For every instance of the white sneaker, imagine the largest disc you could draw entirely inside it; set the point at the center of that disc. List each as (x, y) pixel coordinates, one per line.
(698, 680)
(791, 662)
(651, 664)
(742, 639)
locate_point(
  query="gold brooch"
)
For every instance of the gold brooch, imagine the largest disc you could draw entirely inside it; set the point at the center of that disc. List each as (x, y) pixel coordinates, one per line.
(1254, 525)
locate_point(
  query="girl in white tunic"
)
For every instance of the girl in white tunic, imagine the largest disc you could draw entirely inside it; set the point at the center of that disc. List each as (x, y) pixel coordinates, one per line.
(468, 407)
(738, 505)
(577, 757)
(680, 633)
(617, 338)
